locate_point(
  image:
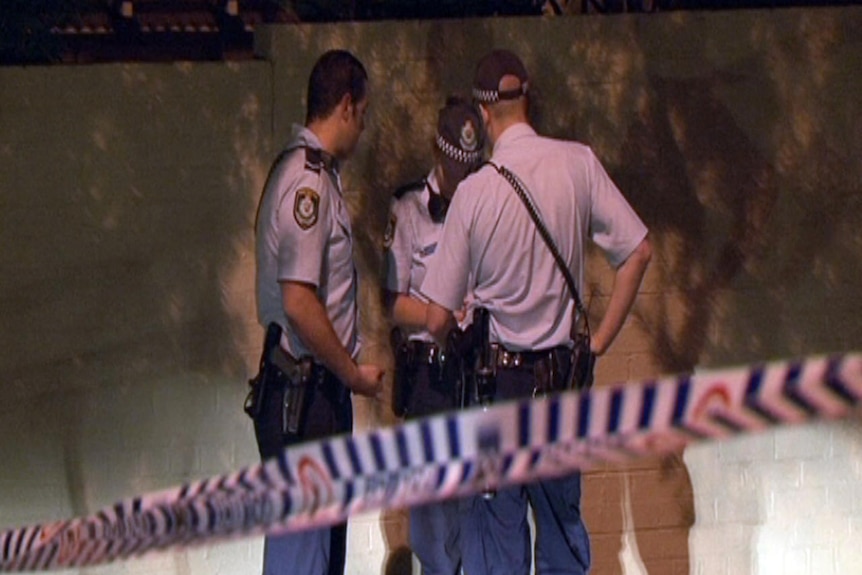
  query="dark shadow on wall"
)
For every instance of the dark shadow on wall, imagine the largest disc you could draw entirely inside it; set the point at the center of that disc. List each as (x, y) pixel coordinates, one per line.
(752, 228)
(706, 193)
(707, 201)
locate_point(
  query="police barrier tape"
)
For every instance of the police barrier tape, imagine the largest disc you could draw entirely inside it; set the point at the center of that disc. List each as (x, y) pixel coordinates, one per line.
(321, 483)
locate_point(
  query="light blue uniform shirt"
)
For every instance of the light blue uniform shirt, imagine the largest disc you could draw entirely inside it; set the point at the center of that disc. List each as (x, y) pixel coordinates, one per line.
(489, 234)
(304, 235)
(414, 240)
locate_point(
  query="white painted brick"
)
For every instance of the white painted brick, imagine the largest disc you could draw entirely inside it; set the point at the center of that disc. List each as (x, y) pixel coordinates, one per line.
(819, 531)
(805, 442)
(740, 563)
(800, 504)
(848, 552)
(796, 563)
(740, 506)
(711, 565)
(823, 562)
(784, 475)
(844, 496)
(748, 448)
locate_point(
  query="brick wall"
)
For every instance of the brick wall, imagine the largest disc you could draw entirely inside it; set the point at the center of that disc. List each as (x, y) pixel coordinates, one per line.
(127, 196)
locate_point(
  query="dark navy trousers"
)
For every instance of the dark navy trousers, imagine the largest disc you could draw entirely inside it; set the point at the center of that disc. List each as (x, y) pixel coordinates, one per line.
(319, 551)
(495, 536)
(434, 528)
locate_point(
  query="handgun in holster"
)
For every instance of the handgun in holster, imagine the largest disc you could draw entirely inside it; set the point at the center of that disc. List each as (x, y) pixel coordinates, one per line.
(298, 377)
(280, 376)
(402, 386)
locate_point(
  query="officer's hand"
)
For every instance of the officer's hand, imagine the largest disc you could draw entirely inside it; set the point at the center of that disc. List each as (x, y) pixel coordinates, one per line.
(369, 381)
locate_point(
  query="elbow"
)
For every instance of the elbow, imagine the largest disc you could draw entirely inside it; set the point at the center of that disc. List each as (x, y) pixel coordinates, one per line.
(639, 259)
(644, 251)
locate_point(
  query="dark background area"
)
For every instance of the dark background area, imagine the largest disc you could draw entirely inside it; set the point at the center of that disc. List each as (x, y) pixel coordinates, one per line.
(89, 31)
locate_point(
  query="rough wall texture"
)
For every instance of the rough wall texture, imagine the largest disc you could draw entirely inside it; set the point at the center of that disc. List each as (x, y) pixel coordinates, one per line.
(127, 195)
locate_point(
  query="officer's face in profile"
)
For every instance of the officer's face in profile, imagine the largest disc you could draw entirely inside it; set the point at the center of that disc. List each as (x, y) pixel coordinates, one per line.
(355, 124)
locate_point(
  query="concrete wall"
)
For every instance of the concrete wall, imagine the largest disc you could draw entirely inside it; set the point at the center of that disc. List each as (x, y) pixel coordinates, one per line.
(127, 196)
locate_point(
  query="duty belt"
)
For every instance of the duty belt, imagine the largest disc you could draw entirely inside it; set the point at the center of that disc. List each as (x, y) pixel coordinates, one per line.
(423, 352)
(514, 359)
(328, 384)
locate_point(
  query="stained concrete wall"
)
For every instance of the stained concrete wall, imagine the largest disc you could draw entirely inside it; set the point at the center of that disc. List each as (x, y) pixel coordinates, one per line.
(127, 195)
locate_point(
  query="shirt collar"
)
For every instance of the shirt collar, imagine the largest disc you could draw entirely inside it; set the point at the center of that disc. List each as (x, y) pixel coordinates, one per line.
(437, 204)
(303, 137)
(512, 134)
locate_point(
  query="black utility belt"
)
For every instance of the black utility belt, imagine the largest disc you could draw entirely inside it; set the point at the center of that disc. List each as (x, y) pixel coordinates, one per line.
(505, 359)
(422, 352)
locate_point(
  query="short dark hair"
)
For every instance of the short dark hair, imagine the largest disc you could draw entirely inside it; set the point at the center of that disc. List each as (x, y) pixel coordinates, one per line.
(336, 73)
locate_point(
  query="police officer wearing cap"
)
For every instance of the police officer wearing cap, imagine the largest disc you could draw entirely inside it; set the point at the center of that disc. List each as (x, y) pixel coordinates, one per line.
(416, 221)
(491, 248)
(307, 284)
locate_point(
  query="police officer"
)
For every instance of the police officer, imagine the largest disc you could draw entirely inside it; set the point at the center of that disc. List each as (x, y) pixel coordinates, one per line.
(306, 283)
(491, 237)
(415, 224)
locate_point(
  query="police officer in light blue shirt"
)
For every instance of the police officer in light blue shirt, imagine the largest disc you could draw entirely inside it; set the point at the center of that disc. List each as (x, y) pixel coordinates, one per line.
(306, 283)
(411, 239)
(491, 248)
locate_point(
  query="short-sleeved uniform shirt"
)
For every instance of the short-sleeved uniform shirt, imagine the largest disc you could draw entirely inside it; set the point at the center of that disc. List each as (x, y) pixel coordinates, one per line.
(413, 241)
(489, 233)
(304, 235)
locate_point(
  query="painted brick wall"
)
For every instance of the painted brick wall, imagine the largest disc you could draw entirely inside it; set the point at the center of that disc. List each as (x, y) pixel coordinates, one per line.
(127, 196)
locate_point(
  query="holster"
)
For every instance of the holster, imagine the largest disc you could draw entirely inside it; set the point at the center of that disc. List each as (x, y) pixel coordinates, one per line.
(551, 372)
(253, 404)
(296, 376)
(276, 401)
(470, 363)
(583, 362)
(457, 364)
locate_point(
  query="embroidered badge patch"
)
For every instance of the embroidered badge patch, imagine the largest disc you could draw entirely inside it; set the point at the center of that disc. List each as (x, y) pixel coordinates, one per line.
(389, 233)
(306, 207)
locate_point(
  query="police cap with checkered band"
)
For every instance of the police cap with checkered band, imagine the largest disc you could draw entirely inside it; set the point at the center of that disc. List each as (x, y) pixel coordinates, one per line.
(460, 137)
(492, 68)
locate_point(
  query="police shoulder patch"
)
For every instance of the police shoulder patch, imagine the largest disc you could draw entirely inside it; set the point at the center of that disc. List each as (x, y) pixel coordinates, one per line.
(306, 208)
(389, 233)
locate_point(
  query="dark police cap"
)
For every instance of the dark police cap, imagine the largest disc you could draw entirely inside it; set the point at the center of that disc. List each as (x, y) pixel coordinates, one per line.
(492, 68)
(459, 133)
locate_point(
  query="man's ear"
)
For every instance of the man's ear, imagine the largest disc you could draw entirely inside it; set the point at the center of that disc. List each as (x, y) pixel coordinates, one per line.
(345, 106)
(483, 110)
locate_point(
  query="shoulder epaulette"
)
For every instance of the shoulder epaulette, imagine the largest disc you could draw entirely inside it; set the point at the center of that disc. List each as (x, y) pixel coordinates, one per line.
(316, 160)
(416, 186)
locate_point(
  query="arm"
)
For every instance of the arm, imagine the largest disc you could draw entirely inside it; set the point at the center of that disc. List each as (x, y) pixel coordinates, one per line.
(627, 280)
(405, 311)
(308, 317)
(439, 322)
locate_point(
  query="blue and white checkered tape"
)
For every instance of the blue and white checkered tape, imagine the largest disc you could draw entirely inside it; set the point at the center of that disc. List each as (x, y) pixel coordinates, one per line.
(454, 454)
